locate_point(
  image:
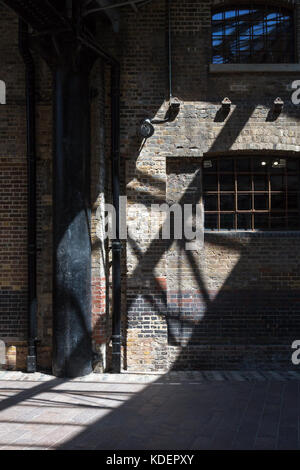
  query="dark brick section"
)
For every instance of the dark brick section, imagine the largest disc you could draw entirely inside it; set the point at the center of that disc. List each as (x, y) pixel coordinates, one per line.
(233, 357)
(234, 316)
(13, 308)
(246, 329)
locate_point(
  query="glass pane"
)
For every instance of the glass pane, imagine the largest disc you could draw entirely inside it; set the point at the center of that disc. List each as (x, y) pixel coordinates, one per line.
(294, 222)
(243, 164)
(227, 202)
(261, 221)
(292, 164)
(244, 183)
(211, 221)
(217, 16)
(277, 183)
(258, 28)
(293, 183)
(260, 183)
(257, 44)
(227, 182)
(278, 221)
(293, 201)
(210, 183)
(226, 164)
(211, 203)
(244, 202)
(261, 202)
(217, 59)
(278, 201)
(244, 221)
(229, 14)
(227, 221)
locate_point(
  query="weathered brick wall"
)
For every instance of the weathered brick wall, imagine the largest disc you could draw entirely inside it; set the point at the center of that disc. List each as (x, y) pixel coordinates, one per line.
(99, 190)
(13, 195)
(233, 304)
(13, 205)
(13, 201)
(204, 291)
(13, 187)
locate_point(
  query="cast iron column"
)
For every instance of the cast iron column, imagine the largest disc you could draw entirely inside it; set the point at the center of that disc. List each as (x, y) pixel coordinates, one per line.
(72, 354)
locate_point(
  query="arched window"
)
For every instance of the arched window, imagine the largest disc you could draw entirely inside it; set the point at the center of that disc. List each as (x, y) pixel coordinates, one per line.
(254, 33)
(251, 193)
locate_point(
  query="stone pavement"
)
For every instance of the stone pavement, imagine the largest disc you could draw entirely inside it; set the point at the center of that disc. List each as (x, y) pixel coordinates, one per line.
(176, 410)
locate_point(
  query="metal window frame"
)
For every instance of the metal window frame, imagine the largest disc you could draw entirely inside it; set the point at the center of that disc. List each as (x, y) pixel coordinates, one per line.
(290, 9)
(271, 212)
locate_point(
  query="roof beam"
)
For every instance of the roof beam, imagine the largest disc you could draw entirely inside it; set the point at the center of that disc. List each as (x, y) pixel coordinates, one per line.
(112, 13)
(134, 6)
(39, 14)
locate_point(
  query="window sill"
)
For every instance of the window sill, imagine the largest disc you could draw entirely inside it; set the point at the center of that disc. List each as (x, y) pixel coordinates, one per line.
(254, 68)
(252, 233)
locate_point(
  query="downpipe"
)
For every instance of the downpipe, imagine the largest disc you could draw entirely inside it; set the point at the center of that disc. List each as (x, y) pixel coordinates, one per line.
(116, 244)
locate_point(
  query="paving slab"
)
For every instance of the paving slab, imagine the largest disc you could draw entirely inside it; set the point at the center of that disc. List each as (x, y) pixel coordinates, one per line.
(178, 410)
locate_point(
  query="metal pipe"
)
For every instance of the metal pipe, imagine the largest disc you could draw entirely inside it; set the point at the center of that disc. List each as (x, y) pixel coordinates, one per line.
(170, 49)
(172, 102)
(116, 244)
(31, 172)
(115, 5)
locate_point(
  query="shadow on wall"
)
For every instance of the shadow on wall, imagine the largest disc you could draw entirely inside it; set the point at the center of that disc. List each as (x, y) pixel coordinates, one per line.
(239, 307)
(251, 319)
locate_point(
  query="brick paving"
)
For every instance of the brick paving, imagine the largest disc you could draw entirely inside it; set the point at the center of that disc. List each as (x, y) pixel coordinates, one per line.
(176, 410)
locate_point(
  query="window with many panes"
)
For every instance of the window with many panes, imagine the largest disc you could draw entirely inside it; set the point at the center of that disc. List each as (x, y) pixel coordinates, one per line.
(253, 33)
(251, 193)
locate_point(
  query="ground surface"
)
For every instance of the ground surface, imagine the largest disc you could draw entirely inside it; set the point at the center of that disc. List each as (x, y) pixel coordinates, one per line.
(179, 410)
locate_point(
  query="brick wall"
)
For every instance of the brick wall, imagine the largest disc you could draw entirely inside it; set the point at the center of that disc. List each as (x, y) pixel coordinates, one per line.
(13, 195)
(13, 201)
(180, 309)
(99, 190)
(13, 205)
(234, 303)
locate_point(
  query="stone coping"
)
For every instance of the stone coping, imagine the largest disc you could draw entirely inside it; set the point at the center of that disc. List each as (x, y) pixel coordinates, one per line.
(254, 68)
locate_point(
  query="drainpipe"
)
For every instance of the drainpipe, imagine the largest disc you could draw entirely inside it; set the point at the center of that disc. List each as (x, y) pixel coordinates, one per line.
(31, 172)
(115, 175)
(116, 244)
(147, 128)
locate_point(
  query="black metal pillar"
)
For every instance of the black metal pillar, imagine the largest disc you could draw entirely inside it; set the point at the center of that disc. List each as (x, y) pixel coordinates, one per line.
(72, 353)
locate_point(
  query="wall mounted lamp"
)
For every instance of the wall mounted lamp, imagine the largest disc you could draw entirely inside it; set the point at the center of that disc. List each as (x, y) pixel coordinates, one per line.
(226, 104)
(278, 105)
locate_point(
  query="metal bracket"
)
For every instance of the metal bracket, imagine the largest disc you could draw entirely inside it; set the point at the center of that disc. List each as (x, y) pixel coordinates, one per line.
(226, 104)
(278, 105)
(116, 245)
